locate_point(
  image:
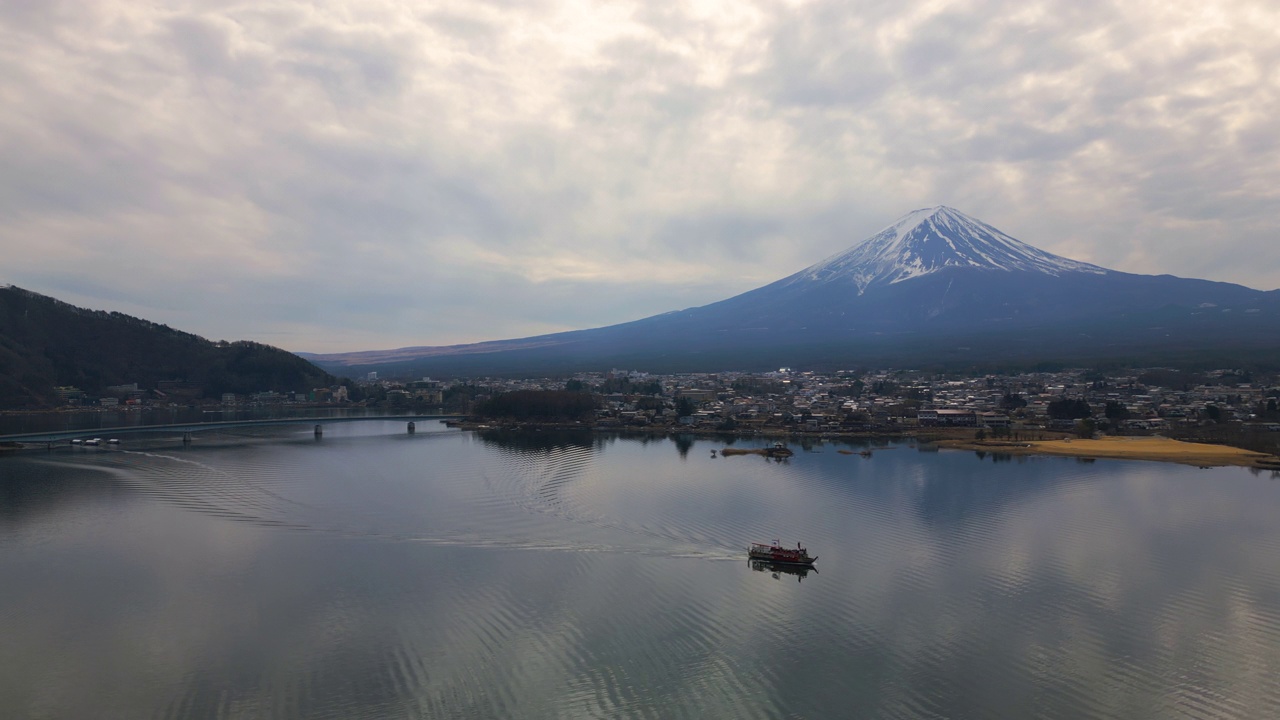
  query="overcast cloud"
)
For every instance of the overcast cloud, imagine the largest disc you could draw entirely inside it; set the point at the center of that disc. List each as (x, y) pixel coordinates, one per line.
(332, 176)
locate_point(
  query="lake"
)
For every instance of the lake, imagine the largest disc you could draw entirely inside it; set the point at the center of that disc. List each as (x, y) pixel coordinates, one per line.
(265, 573)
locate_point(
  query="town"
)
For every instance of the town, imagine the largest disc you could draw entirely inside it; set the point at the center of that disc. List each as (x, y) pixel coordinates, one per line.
(1082, 401)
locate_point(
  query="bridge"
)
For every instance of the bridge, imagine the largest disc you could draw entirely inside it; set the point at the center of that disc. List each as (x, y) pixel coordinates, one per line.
(186, 429)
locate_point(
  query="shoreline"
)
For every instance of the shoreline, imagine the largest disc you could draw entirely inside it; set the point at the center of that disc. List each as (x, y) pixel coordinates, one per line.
(1151, 448)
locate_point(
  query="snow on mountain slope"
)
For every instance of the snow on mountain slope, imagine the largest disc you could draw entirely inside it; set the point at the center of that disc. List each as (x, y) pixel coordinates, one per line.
(927, 240)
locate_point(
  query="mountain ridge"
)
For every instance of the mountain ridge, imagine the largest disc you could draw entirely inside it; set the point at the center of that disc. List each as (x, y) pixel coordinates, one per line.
(913, 292)
(47, 343)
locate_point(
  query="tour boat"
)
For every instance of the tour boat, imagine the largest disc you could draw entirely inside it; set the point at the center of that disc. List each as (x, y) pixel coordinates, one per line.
(775, 553)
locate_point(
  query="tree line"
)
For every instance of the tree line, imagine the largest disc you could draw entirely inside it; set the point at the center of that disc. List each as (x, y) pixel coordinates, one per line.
(540, 405)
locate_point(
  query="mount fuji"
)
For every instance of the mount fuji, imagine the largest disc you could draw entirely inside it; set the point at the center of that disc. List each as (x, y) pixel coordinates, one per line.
(936, 288)
(931, 240)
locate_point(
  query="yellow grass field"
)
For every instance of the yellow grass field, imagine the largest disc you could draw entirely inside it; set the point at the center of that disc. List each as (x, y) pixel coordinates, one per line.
(1138, 448)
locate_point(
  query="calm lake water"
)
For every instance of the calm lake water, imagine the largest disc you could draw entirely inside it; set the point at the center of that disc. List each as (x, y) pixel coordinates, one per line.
(373, 574)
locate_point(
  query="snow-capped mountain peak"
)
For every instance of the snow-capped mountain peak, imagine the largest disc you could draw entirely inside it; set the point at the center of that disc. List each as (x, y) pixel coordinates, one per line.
(930, 239)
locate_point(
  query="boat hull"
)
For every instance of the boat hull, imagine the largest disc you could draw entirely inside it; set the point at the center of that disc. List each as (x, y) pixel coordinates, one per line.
(799, 571)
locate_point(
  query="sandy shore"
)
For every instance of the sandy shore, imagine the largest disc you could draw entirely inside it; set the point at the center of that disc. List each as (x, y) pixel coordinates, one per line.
(1121, 448)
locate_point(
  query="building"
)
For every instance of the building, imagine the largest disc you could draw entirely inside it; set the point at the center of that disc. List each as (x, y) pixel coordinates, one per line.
(994, 420)
(948, 417)
(427, 390)
(69, 395)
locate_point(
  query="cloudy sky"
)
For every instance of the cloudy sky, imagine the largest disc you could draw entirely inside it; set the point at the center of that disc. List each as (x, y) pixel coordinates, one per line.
(368, 174)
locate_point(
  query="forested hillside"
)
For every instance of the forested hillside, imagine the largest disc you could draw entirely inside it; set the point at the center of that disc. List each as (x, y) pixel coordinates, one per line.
(46, 343)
